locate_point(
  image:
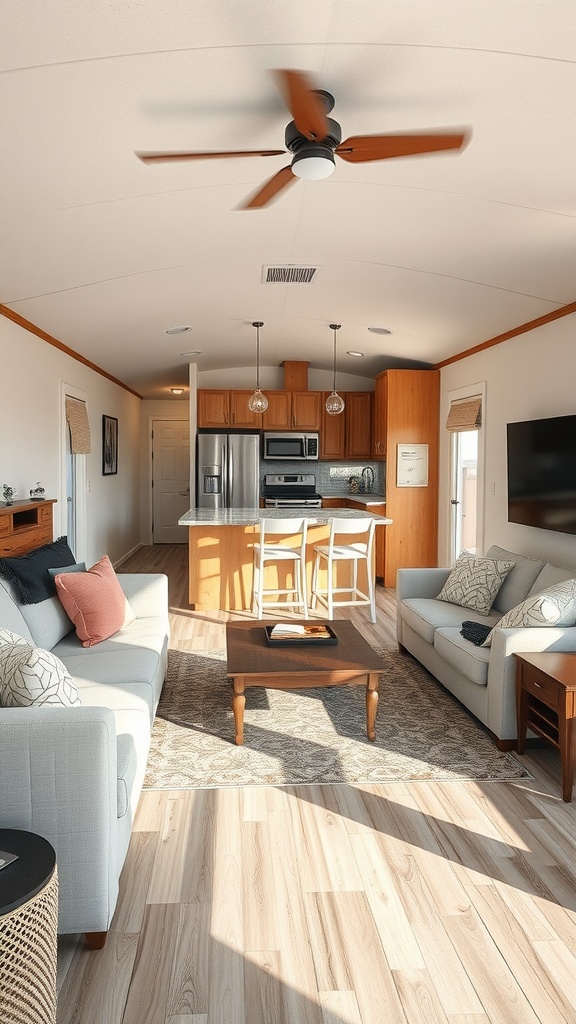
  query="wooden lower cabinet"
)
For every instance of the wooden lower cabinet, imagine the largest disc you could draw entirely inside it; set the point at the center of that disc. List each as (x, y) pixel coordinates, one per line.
(24, 526)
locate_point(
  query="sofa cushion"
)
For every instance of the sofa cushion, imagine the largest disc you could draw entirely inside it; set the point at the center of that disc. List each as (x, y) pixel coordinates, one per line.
(471, 661)
(474, 582)
(553, 607)
(47, 622)
(31, 676)
(29, 573)
(426, 614)
(517, 584)
(549, 577)
(95, 602)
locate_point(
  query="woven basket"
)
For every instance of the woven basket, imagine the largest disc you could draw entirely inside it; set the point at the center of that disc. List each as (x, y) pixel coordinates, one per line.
(28, 951)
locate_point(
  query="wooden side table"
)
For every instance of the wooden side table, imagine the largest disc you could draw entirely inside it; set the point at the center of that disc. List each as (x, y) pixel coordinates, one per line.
(546, 703)
(28, 929)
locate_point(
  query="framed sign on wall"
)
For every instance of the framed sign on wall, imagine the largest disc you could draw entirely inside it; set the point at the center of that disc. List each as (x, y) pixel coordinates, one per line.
(412, 465)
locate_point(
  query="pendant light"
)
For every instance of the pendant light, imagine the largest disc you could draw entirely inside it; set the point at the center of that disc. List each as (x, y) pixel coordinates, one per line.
(257, 402)
(334, 403)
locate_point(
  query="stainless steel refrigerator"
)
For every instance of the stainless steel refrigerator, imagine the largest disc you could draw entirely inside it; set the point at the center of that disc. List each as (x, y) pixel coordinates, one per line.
(228, 471)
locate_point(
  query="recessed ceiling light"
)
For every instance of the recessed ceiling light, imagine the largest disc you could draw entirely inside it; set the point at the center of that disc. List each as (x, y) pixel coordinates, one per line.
(177, 391)
(357, 355)
(178, 330)
(193, 352)
(379, 330)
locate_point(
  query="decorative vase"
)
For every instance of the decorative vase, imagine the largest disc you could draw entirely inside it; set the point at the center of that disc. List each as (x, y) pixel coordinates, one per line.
(8, 493)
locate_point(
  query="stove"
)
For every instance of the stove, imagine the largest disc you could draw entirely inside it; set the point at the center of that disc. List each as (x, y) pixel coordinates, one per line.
(290, 490)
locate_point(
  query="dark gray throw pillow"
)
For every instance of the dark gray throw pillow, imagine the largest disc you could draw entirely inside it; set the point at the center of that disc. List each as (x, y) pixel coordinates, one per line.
(29, 573)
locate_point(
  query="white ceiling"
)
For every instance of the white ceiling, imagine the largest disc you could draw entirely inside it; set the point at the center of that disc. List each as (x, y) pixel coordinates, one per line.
(447, 250)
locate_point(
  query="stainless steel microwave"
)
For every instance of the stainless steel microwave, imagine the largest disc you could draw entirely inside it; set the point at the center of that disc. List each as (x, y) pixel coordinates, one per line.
(291, 446)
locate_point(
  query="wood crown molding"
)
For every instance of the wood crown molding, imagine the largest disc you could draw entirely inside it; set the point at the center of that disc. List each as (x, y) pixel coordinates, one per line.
(28, 326)
(522, 329)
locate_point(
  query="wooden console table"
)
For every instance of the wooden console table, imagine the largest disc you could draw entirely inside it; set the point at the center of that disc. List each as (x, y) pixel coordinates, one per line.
(25, 525)
(546, 703)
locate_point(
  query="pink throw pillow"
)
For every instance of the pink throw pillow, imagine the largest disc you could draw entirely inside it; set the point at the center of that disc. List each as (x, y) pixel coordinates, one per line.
(95, 602)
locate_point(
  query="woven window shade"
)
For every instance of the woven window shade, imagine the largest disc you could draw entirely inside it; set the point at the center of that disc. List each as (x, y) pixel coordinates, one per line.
(466, 415)
(77, 416)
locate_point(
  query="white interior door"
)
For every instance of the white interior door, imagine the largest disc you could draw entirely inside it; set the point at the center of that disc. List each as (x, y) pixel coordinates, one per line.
(170, 480)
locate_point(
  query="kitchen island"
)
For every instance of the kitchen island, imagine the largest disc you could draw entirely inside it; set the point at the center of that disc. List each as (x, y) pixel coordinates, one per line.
(220, 542)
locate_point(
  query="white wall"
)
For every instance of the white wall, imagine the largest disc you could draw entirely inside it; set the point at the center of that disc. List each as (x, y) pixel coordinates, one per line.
(272, 377)
(30, 432)
(528, 377)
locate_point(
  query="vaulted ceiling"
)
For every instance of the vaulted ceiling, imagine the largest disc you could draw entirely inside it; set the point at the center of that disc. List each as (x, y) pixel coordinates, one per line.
(445, 250)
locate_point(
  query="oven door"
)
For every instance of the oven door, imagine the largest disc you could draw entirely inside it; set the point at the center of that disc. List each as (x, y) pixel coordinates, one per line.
(285, 446)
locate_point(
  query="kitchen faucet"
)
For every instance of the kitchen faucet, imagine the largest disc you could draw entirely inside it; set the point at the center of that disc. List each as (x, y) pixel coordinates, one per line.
(368, 479)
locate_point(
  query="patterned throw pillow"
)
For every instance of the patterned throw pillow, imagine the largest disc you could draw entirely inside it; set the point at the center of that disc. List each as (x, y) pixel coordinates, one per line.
(32, 676)
(8, 637)
(553, 607)
(474, 582)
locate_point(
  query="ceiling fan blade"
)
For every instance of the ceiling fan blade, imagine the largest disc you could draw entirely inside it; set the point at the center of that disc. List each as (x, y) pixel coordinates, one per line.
(271, 188)
(306, 107)
(361, 148)
(149, 158)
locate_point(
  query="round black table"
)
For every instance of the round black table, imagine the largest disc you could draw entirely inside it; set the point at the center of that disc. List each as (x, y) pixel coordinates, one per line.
(28, 929)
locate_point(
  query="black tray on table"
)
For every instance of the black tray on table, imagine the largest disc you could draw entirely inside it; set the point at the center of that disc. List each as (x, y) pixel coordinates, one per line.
(297, 641)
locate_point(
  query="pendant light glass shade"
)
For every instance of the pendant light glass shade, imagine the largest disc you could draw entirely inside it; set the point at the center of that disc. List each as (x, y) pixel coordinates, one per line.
(334, 403)
(258, 401)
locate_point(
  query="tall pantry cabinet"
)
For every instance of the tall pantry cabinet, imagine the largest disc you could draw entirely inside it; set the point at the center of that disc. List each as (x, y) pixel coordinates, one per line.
(406, 410)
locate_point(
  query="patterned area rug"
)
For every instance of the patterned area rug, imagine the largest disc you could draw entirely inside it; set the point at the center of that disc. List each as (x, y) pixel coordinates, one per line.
(317, 735)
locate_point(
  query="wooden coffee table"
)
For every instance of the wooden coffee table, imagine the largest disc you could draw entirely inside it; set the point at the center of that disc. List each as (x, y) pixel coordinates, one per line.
(252, 662)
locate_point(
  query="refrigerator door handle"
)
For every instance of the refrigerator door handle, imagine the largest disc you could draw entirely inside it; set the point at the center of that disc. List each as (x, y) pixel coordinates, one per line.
(230, 474)
(225, 480)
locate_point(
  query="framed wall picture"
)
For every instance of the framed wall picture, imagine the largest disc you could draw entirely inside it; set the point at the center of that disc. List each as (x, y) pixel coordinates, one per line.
(412, 465)
(109, 445)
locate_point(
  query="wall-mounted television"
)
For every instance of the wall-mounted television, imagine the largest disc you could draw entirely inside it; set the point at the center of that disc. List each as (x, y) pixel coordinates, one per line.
(542, 473)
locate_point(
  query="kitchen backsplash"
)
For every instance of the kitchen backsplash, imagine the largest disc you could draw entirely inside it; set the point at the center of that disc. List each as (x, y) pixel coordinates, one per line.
(330, 479)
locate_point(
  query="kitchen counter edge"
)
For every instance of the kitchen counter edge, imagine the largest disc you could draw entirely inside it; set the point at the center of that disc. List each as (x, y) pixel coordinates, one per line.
(252, 516)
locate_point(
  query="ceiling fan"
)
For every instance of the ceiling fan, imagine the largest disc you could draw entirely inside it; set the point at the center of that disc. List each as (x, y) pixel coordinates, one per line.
(314, 138)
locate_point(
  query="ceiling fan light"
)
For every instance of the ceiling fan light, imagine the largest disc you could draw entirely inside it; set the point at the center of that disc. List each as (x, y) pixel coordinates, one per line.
(315, 166)
(258, 401)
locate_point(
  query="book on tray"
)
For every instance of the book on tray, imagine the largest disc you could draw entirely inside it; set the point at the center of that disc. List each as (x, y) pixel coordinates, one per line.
(299, 631)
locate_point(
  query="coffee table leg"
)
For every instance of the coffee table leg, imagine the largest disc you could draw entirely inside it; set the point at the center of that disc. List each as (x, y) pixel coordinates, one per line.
(238, 703)
(371, 704)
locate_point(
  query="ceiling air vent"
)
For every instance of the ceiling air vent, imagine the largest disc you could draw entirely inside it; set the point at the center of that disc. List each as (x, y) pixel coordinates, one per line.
(288, 274)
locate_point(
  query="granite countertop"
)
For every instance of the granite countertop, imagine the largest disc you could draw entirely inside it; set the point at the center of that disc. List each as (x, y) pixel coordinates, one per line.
(251, 516)
(365, 497)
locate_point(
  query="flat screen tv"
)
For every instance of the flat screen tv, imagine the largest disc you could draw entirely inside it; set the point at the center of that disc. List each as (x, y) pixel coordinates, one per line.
(542, 473)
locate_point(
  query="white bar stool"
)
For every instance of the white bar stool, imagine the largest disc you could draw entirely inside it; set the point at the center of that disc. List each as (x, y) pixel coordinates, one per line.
(340, 549)
(267, 551)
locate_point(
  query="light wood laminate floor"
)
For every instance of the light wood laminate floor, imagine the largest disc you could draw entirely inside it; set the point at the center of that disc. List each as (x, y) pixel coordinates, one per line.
(444, 903)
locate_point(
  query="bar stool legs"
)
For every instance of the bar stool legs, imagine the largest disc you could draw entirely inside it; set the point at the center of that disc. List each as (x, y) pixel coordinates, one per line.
(267, 551)
(358, 550)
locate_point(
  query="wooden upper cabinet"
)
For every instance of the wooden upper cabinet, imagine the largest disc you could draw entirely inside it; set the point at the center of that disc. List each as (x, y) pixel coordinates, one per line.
(380, 418)
(278, 415)
(332, 433)
(213, 407)
(240, 414)
(358, 419)
(287, 410)
(219, 408)
(306, 410)
(292, 410)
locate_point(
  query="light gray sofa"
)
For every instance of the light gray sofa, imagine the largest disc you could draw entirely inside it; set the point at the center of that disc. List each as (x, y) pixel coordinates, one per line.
(74, 774)
(482, 678)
